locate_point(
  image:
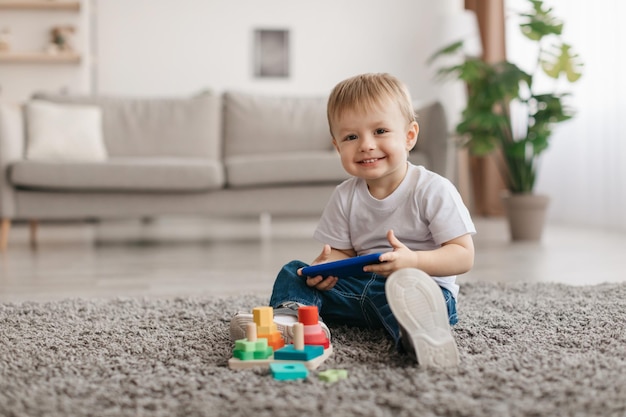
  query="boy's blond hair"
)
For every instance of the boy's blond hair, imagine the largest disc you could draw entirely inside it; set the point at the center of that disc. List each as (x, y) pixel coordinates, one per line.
(366, 92)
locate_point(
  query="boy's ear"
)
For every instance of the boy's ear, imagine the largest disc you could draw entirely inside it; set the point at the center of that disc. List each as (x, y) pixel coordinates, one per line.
(411, 136)
(335, 145)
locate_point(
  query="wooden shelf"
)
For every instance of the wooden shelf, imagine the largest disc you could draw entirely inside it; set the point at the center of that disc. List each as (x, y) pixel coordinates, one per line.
(39, 58)
(40, 5)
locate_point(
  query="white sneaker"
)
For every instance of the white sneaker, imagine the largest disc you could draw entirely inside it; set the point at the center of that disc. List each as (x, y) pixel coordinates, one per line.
(284, 318)
(417, 303)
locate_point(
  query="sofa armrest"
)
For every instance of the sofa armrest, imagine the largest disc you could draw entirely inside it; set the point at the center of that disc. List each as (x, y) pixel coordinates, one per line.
(433, 139)
(12, 145)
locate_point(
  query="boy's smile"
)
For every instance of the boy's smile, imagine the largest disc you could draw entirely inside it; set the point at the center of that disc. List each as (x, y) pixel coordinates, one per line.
(374, 144)
(370, 161)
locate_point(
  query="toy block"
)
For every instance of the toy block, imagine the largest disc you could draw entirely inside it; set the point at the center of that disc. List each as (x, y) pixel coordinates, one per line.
(288, 371)
(245, 345)
(263, 316)
(308, 315)
(290, 353)
(235, 363)
(263, 354)
(317, 339)
(333, 375)
(275, 340)
(317, 361)
(242, 355)
(313, 329)
(271, 337)
(267, 329)
(252, 355)
(279, 343)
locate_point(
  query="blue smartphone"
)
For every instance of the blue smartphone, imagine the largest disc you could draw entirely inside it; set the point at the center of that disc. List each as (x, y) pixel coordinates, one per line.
(343, 268)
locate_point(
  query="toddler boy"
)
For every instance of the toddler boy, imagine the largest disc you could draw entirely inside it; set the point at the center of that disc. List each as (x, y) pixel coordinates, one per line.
(415, 217)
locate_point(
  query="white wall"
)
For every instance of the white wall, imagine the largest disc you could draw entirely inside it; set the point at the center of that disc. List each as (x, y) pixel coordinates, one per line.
(170, 47)
(148, 47)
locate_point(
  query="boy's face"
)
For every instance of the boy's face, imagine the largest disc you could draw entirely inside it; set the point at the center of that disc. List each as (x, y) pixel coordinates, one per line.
(374, 145)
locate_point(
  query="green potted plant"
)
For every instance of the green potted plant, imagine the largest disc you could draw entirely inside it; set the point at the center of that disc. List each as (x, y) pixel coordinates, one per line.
(494, 89)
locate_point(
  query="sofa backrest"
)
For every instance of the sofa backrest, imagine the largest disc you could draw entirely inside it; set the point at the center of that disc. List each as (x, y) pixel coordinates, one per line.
(263, 124)
(433, 139)
(156, 127)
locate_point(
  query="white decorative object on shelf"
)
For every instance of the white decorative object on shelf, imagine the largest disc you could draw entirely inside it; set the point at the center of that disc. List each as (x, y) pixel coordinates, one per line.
(61, 39)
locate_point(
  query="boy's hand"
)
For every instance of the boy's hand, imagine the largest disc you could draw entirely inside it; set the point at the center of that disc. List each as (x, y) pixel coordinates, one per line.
(400, 257)
(319, 282)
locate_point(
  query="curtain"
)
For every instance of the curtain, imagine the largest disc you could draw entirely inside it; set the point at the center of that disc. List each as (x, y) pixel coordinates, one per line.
(584, 169)
(486, 181)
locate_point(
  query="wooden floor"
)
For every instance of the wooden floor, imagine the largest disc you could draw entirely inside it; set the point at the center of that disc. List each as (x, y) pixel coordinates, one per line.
(179, 257)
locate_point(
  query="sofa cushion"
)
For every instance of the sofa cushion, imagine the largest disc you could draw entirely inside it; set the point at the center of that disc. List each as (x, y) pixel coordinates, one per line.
(154, 127)
(64, 132)
(312, 167)
(120, 174)
(419, 158)
(263, 124)
(433, 137)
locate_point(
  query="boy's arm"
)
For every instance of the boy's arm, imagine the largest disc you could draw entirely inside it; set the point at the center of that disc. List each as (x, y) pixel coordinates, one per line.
(334, 255)
(330, 254)
(454, 257)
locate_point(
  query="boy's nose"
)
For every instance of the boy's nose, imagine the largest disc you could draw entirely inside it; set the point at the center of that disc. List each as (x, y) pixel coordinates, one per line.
(367, 143)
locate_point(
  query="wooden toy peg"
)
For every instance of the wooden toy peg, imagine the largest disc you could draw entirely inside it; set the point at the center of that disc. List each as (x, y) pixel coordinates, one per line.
(298, 336)
(251, 332)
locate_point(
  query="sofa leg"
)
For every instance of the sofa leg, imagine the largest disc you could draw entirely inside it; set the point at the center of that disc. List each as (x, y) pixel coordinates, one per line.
(33, 226)
(5, 226)
(265, 226)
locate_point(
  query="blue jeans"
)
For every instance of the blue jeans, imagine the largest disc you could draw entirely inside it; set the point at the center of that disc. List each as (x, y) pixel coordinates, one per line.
(358, 301)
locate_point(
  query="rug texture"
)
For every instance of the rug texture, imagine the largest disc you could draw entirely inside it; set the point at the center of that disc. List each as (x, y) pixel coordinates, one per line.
(526, 350)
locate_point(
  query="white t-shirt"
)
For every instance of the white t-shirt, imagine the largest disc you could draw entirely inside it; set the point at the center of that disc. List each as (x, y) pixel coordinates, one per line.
(425, 211)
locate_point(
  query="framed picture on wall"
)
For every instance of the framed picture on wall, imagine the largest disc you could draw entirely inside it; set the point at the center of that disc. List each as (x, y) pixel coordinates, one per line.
(271, 53)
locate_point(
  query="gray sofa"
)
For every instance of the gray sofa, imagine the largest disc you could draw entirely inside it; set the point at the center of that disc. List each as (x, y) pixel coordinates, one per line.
(229, 154)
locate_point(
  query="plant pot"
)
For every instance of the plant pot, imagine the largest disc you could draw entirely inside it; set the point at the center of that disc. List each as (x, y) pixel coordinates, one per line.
(526, 214)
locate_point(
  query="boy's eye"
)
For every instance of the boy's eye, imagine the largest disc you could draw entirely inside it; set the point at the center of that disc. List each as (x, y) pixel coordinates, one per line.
(381, 131)
(351, 137)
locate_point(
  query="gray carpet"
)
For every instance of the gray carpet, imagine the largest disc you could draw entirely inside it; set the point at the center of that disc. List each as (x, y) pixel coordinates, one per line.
(526, 350)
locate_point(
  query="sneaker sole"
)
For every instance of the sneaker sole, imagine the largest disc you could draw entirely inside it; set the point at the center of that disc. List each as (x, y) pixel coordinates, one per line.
(418, 304)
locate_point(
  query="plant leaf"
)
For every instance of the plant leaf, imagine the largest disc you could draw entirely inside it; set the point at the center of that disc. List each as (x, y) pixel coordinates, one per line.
(446, 50)
(564, 62)
(540, 23)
